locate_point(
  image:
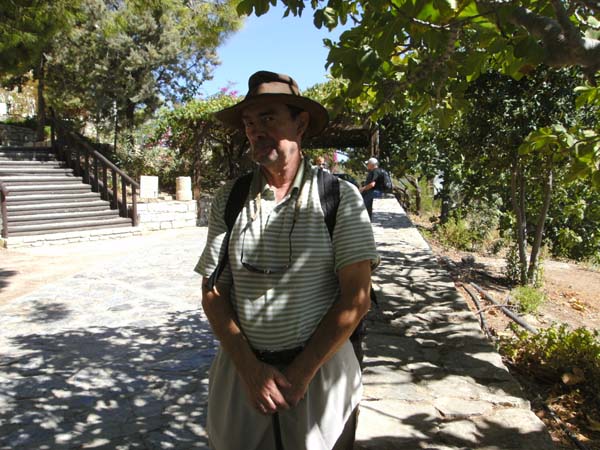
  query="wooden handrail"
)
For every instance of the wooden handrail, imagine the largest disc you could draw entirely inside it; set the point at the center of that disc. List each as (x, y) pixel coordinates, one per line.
(3, 211)
(93, 152)
(69, 142)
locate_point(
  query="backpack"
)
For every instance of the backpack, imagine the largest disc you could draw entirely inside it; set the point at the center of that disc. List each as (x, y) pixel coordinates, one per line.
(388, 186)
(329, 194)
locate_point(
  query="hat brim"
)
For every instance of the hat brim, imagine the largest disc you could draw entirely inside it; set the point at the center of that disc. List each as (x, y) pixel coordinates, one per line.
(319, 117)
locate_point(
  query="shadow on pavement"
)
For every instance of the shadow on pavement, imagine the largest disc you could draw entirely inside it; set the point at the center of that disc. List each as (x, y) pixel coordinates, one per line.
(392, 220)
(432, 380)
(5, 274)
(107, 388)
(43, 312)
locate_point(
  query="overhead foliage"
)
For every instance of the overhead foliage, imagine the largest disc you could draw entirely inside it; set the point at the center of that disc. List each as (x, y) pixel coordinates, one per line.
(424, 54)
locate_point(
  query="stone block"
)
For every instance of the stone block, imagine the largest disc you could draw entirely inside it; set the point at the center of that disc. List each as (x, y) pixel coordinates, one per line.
(148, 186)
(183, 188)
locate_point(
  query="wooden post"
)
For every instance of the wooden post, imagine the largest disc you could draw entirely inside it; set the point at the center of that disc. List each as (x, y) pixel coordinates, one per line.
(86, 174)
(3, 194)
(134, 206)
(123, 197)
(104, 194)
(114, 204)
(96, 174)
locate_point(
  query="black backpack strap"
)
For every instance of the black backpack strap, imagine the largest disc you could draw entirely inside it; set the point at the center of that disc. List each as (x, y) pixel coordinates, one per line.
(235, 203)
(329, 194)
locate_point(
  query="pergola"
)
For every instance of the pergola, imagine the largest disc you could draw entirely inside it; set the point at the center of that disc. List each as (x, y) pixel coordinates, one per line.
(341, 133)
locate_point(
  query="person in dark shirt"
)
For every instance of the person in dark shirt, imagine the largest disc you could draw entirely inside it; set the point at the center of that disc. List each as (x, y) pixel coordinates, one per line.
(374, 185)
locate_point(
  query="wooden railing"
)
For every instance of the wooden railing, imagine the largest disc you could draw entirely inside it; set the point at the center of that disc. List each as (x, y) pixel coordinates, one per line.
(94, 167)
(3, 195)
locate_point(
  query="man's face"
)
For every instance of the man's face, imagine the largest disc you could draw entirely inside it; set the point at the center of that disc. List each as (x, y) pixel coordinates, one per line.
(370, 166)
(273, 134)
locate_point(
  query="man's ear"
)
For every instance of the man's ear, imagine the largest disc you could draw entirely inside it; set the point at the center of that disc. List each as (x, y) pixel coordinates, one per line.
(303, 121)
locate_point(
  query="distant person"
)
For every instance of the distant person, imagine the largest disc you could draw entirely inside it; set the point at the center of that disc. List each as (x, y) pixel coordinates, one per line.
(374, 185)
(320, 162)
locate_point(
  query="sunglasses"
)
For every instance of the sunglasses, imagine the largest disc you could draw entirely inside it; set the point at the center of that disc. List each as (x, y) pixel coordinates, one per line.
(273, 270)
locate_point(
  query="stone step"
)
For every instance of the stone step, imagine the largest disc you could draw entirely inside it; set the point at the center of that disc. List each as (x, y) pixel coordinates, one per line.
(70, 236)
(27, 153)
(25, 230)
(50, 189)
(38, 219)
(41, 198)
(40, 180)
(56, 206)
(32, 171)
(27, 164)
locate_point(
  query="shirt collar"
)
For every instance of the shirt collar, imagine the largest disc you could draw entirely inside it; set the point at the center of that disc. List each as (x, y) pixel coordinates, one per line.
(265, 189)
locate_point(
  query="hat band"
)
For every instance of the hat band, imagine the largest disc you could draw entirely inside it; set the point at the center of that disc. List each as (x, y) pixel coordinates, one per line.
(273, 88)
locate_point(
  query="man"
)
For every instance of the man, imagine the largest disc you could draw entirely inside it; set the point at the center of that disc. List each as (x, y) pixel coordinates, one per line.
(285, 375)
(374, 185)
(320, 162)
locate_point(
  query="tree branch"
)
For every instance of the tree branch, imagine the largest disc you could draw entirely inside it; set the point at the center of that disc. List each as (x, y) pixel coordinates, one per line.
(564, 43)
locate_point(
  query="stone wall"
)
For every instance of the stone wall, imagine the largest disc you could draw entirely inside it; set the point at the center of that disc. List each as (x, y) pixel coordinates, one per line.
(165, 215)
(15, 136)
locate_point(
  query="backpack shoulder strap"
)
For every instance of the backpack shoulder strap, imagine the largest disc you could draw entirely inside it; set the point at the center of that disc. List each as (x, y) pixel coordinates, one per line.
(237, 198)
(329, 194)
(235, 203)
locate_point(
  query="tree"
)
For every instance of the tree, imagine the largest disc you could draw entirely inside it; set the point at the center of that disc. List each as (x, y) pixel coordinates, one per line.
(128, 57)
(429, 51)
(208, 148)
(27, 30)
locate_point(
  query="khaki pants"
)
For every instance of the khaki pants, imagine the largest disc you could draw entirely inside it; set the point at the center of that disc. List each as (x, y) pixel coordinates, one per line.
(346, 439)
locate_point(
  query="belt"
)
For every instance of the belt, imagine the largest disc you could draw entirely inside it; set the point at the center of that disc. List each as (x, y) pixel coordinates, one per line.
(279, 357)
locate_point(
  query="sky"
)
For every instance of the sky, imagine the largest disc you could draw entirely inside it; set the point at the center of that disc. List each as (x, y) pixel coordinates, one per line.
(290, 45)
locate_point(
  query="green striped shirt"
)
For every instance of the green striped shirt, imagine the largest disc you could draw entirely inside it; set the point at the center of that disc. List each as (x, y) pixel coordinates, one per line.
(282, 310)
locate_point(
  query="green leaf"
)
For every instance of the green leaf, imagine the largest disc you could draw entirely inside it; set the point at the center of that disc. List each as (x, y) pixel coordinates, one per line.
(576, 171)
(596, 179)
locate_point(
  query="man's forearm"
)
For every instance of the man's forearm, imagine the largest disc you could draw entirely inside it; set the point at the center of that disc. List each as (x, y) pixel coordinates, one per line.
(222, 318)
(338, 323)
(367, 187)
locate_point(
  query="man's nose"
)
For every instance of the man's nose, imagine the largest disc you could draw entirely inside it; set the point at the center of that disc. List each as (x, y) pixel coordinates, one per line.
(255, 130)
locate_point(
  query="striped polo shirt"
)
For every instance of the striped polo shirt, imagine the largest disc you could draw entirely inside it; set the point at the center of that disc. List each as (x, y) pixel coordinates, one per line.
(282, 309)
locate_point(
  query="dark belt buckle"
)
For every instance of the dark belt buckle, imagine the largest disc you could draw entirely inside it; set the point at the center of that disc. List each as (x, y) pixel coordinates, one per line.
(278, 357)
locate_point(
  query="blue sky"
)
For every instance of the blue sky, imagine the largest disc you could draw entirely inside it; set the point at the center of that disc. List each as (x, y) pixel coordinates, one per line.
(291, 45)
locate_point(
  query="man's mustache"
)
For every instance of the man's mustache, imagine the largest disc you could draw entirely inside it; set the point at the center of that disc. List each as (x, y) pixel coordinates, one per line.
(263, 144)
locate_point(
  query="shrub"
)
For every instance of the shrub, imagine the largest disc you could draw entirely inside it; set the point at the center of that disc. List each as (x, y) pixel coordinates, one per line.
(528, 298)
(457, 234)
(552, 353)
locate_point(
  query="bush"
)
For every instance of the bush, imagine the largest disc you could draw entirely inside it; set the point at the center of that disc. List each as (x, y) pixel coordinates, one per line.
(472, 229)
(512, 269)
(457, 234)
(528, 298)
(553, 354)
(150, 160)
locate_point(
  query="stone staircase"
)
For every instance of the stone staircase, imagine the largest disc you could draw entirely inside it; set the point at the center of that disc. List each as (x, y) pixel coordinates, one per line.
(46, 197)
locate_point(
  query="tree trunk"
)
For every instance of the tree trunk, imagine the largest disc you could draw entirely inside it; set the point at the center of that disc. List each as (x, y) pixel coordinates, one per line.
(539, 230)
(374, 144)
(41, 102)
(418, 194)
(130, 121)
(116, 136)
(446, 201)
(517, 196)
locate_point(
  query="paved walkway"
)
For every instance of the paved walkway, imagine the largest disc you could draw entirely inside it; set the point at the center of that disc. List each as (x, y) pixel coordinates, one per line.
(116, 356)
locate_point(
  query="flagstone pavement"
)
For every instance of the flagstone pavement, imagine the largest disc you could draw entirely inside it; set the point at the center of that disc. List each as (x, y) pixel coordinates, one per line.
(115, 354)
